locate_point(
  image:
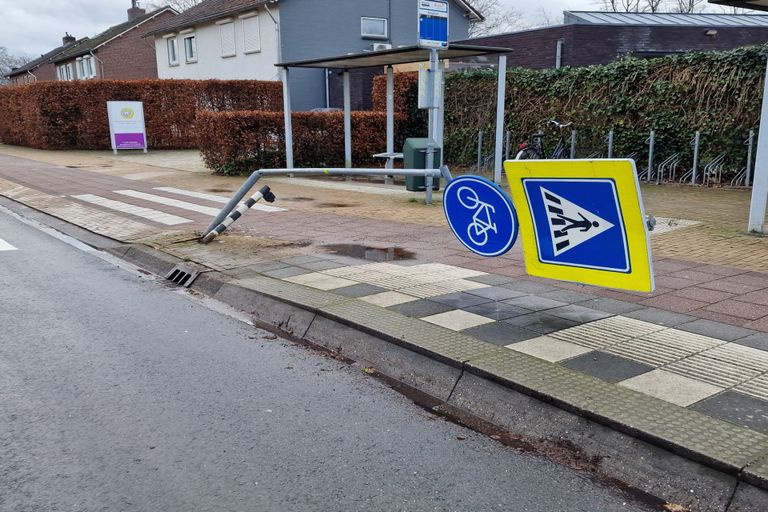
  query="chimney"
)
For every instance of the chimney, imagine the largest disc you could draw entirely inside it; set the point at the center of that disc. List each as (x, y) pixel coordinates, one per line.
(67, 39)
(135, 11)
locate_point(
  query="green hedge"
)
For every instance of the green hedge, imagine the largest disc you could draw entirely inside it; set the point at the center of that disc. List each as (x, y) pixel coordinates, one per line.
(718, 93)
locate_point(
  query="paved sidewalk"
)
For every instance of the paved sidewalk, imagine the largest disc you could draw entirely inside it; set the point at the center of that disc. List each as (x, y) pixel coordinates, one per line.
(700, 341)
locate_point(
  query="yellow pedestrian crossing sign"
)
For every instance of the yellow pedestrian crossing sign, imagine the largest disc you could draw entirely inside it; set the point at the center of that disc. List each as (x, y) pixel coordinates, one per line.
(582, 221)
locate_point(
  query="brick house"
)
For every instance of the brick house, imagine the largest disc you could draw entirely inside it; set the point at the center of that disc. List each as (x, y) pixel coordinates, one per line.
(586, 38)
(41, 68)
(244, 39)
(118, 53)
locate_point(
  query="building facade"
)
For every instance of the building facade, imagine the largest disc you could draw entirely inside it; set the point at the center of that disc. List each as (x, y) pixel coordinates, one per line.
(244, 39)
(587, 38)
(119, 53)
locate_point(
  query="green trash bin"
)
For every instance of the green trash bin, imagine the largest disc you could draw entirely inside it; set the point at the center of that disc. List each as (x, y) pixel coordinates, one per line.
(415, 157)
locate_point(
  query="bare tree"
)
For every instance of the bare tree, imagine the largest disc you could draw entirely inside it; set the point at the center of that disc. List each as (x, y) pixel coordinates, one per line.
(635, 5)
(498, 19)
(179, 5)
(689, 6)
(8, 62)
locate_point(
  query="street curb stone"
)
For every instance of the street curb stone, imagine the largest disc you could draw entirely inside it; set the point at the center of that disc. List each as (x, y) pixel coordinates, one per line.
(649, 444)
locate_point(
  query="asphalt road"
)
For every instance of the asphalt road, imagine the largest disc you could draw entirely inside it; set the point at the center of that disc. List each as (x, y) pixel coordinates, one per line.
(118, 392)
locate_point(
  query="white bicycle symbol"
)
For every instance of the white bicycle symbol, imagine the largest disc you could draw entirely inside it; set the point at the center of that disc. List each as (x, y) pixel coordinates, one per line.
(481, 219)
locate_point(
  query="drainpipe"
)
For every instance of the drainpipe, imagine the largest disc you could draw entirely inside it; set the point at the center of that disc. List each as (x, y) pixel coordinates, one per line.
(327, 89)
(34, 78)
(559, 53)
(279, 39)
(101, 64)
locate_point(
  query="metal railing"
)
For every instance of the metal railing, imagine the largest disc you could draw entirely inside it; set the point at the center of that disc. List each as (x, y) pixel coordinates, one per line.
(428, 174)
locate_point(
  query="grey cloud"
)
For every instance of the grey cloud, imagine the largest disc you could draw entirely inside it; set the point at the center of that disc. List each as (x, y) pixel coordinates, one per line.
(34, 27)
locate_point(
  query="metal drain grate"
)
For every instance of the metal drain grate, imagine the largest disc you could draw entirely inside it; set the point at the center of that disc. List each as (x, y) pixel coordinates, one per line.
(183, 276)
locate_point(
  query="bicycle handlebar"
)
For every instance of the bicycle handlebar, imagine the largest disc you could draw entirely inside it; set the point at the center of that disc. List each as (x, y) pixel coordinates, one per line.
(559, 125)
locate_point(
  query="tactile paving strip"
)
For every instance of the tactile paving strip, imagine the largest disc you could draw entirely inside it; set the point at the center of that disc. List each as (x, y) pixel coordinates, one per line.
(712, 371)
(757, 387)
(589, 335)
(740, 355)
(692, 431)
(628, 327)
(455, 346)
(664, 347)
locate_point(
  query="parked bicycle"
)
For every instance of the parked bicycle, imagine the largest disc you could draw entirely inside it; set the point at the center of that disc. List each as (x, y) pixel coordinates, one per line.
(535, 150)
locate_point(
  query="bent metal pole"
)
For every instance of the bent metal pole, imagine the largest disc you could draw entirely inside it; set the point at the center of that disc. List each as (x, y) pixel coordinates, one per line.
(264, 193)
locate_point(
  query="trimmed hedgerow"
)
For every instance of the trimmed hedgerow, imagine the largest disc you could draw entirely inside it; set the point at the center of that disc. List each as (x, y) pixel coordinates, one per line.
(718, 93)
(73, 115)
(241, 142)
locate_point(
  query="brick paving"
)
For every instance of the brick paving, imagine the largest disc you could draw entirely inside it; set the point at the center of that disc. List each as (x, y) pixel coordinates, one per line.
(698, 341)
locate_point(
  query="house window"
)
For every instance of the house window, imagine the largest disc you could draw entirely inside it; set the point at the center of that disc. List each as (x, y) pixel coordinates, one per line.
(88, 67)
(374, 28)
(173, 52)
(251, 35)
(228, 48)
(65, 72)
(190, 48)
(85, 68)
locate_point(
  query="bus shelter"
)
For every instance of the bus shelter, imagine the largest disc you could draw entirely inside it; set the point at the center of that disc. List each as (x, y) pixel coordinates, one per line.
(388, 59)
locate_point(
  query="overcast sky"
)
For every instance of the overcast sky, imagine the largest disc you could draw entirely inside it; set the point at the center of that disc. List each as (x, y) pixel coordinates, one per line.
(34, 27)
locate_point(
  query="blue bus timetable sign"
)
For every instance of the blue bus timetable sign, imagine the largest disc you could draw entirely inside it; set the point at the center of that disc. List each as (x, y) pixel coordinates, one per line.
(433, 24)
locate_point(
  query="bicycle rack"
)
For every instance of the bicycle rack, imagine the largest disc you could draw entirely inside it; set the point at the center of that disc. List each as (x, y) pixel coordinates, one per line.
(714, 169)
(740, 179)
(686, 177)
(596, 154)
(668, 166)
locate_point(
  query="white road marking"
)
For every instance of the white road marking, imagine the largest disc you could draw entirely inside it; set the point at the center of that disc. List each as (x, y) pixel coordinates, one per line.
(215, 198)
(192, 193)
(5, 246)
(207, 210)
(147, 213)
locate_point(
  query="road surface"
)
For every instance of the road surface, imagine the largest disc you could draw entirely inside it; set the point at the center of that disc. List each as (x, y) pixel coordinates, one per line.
(120, 393)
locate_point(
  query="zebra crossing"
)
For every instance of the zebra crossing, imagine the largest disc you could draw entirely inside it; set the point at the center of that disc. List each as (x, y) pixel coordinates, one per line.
(5, 246)
(124, 205)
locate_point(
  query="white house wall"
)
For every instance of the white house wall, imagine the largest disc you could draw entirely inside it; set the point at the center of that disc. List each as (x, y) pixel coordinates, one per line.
(210, 63)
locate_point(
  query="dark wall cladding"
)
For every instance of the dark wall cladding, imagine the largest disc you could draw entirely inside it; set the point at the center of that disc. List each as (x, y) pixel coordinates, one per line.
(585, 45)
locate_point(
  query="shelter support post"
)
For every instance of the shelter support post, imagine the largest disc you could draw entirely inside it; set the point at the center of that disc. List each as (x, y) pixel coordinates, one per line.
(390, 109)
(347, 121)
(760, 179)
(287, 117)
(432, 105)
(440, 117)
(498, 163)
(390, 118)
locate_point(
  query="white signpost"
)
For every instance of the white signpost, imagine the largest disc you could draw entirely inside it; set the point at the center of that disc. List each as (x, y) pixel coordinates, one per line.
(126, 125)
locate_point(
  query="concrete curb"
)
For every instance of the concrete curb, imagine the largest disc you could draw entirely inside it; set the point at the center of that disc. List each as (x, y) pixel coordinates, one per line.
(461, 377)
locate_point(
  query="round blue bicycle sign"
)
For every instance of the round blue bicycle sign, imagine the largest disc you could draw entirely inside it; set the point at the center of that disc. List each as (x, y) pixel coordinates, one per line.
(481, 215)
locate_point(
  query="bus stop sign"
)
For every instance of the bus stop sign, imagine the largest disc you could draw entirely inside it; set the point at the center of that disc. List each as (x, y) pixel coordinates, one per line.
(481, 215)
(433, 24)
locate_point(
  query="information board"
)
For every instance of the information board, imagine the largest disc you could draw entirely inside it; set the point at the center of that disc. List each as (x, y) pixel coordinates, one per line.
(126, 125)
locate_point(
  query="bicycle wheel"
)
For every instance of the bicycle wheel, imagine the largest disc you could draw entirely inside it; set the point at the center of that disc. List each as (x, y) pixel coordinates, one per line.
(529, 154)
(477, 234)
(468, 198)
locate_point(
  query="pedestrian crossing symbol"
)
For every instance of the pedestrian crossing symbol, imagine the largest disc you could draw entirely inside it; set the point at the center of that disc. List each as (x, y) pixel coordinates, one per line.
(569, 224)
(584, 221)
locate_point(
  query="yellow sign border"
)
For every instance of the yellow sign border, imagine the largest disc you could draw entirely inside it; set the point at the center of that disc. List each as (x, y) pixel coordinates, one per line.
(624, 175)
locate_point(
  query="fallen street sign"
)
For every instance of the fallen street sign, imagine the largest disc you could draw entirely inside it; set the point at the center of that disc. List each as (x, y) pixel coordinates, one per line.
(583, 221)
(481, 215)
